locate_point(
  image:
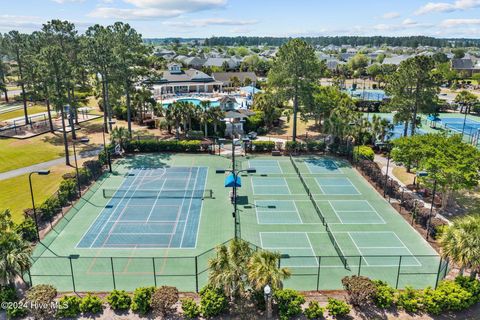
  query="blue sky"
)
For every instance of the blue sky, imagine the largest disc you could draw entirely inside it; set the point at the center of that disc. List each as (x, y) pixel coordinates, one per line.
(204, 18)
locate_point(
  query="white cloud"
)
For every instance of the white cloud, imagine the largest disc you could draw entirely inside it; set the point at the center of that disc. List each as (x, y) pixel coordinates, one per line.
(458, 5)
(21, 23)
(210, 22)
(151, 9)
(391, 15)
(67, 1)
(450, 23)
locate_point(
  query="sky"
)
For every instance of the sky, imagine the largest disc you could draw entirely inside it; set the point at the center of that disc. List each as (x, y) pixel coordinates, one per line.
(279, 18)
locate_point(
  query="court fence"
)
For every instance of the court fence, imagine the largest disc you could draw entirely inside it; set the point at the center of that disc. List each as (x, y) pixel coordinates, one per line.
(77, 273)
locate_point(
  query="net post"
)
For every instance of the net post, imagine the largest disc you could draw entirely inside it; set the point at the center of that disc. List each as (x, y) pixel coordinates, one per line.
(318, 272)
(154, 272)
(359, 266)
(196, 274)
(113, 273)
(71, 271)
(438, 272)
(398, 271)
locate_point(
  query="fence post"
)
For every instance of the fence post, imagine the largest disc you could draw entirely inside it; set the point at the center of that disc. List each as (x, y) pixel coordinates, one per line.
(359, 265)
(113, 273)
(73, 277)
(398, 272)
(154, 272)
(318, 272)
(438, 272)
(30, 277)
(196, 274)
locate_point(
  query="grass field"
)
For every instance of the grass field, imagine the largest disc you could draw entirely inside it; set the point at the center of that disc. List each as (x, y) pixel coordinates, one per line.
(19, 113)
(141, 236)
(15, 193)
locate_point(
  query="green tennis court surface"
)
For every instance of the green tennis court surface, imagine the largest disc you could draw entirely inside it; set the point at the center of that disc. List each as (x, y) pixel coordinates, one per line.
(328, 222)
(158, 218)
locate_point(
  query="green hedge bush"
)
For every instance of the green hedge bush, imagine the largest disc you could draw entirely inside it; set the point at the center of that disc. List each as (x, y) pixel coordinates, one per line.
(310, 146)
(384, 297)
(337, 308)
(69, 307)
(191, 309)
(263, 146)
(410, 300)
(91, 304)
(162, 146)
(289, 303)
(363, 152)
(26, 229)
(142, 299)
(163, 300)
(314, 311)
(212, 302)
(119, 300)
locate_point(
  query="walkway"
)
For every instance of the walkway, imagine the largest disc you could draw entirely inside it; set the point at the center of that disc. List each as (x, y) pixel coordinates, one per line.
(46, 165)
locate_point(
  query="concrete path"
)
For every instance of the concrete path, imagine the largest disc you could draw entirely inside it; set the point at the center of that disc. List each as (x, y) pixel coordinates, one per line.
(47, 164)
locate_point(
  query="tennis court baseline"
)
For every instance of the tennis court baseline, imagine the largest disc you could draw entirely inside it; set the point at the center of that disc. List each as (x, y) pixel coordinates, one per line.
(336, 186)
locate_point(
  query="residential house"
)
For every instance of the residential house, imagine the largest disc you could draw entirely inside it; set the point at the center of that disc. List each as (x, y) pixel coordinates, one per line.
(396, 60)
(467, 67)
(226, 78)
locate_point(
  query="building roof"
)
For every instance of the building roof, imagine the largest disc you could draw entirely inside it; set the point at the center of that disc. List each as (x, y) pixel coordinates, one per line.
(462, 64)
(190, 75)
(225, 77)
(396, 60)
(218, 62)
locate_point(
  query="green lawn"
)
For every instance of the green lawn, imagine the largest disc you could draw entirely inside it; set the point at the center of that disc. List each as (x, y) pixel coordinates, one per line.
(19, 113)
(22, 153)
(15, 193)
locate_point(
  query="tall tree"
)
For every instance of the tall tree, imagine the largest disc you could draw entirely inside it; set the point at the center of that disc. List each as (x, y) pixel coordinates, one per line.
(4, 67)
(17, 46)
(413, 89)
(294, 71)
(131, 59)
(466, 100)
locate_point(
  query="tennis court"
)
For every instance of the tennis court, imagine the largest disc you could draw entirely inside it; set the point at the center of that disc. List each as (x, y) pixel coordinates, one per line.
(153, 208)
(468, 126)
(327, 222)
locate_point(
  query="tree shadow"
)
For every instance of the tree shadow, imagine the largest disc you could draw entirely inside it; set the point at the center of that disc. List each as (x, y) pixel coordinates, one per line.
(157, 160)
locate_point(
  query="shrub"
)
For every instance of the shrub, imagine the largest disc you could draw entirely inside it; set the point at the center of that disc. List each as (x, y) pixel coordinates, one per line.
(313, 146)
(263, 146)
(449, 296)
(119, 300)
(94, 167)
(384, 295)
(471, 285)
(190, 308)
(195, 135)
(289, 303)
(51, 207)
(142, 299)
(16, 312)
(212, 302)
(8, 294)
(409, 300)
(295, 146)
(360, 289)
(161, 146)
(337, 308)
(27, 230)
(314, 311)
(363, 152)
(69, 307)
(68, 189)
(163, 300)
(91, 304)
(258, 298)
(42, 294)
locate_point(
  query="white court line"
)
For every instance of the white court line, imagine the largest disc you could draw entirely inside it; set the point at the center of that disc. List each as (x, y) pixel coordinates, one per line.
(358, 249)
(156, 200)
(359, 211)
(275, 212)
(142, 233)
(201, 210)
(149, 222)
(309, 165)
(188, 212)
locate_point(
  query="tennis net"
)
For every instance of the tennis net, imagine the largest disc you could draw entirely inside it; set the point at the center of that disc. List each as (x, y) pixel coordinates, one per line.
(337, 248)
(169, 193)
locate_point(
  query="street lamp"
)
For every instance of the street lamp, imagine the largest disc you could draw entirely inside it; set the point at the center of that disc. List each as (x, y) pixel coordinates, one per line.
(267, 291)
(82, 140)
(41, 173)
(107, 153)
(235, 174)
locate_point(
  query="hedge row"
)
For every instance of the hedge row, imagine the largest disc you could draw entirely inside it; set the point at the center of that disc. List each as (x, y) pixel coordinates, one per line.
(162, 146)
(308, 146)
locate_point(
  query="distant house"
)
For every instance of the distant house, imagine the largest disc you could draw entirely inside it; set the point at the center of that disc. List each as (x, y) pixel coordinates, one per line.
(226, 78)
(175, 80)
(396, 60)
(194, 62)
(220, 62)
(228, 103)
(166, 54)
(465, 66)
(333, 64)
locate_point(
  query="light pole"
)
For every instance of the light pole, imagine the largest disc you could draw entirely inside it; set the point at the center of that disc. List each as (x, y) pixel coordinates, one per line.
(74, 142)
(267, 291)
(465, 118)
(235, 174)
(107, 153)
(41, 173)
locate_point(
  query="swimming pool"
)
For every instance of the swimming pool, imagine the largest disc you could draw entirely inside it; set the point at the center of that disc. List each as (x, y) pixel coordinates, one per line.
(194, 101)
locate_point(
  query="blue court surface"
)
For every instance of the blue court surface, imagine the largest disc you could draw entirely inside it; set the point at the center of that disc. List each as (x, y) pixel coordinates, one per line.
(322, 166)
(153, 208)
(457, 124)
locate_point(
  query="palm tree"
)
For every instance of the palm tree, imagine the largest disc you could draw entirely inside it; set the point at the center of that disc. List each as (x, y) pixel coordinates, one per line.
(205, 115)
(228, 268)
(174, 114)
(461, 243)
(216, 114)
(263, 269)
(142, 101)
(120, 135)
